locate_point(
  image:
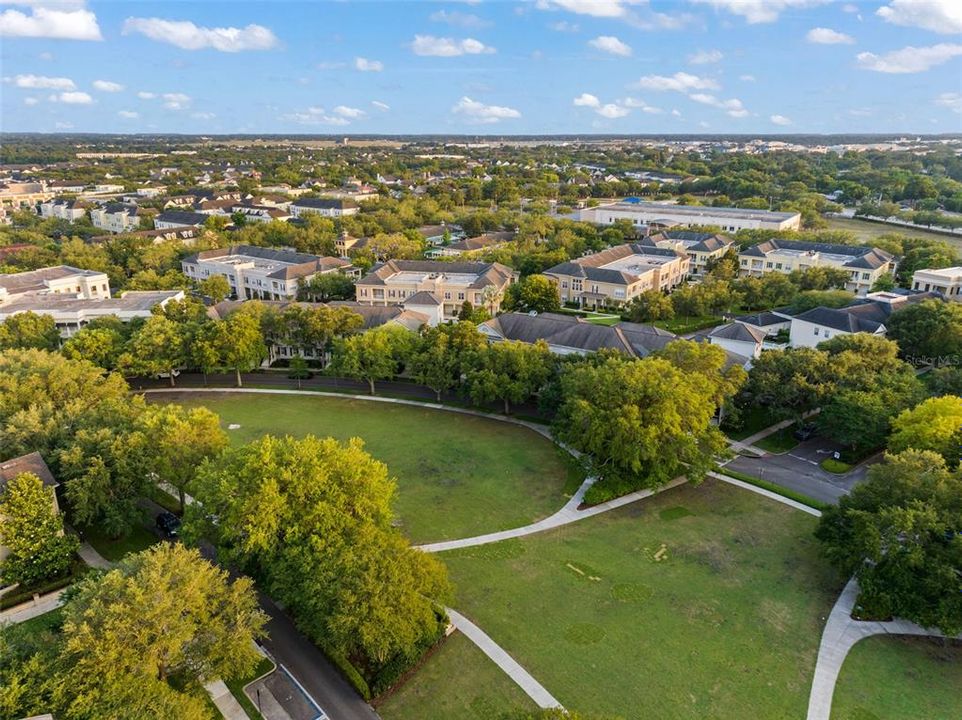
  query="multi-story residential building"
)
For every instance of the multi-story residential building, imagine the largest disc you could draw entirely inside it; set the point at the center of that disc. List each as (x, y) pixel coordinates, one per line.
(485, 241)
(865, 265)
(445, 286)
(437, 234)
(346, 242)
(66, 186)
(947, 281)
(328, 207)
(170, 219)
(615, 276)
(260, 213)
(57, 280)
(869, 314)
(70, 314)
(262, 273)
(701, 248)
(666, 215)
(23, 194)
(116, 217)
(62, 209)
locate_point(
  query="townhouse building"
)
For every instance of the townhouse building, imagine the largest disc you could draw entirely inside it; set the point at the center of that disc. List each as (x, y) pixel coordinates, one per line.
(326, 207)
(614, 277)
(117, 217)
(865, 265)
(172, 219)
(62, 209)
(262, 273)
(702, 248)
(436, 288)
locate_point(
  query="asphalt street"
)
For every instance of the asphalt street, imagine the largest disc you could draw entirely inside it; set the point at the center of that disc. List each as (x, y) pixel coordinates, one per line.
(799, 470)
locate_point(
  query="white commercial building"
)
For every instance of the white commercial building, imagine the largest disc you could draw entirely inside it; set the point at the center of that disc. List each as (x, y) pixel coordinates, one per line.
(57, 280)
(947, 281)
(667, 215)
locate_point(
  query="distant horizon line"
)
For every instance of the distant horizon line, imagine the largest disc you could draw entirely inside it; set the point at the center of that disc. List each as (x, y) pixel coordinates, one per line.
(387, 136)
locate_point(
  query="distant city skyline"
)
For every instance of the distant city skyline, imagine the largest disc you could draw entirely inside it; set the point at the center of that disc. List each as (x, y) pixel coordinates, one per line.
(539, 67)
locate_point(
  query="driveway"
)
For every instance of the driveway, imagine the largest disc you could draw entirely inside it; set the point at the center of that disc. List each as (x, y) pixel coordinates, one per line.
(799, 470)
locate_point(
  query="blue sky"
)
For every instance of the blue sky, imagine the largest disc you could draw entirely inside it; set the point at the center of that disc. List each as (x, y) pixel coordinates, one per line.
(489, 67)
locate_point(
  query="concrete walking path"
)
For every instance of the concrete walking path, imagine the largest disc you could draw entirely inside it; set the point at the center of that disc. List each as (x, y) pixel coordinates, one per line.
(32, 608)
(566, 515)
(225, 701)
(93, 558)
(767, 493)
(841, 633)
(535, 690)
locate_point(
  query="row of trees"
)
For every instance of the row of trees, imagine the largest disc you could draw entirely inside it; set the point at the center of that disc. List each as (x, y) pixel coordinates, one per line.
(138, 642)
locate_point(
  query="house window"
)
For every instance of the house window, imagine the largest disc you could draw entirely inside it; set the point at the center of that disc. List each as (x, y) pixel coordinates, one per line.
(768, 265)
(865, 276)
(460, 296)
(816, 332)
(778, 266)
(447, 295)
(744, 263)
(564, 284)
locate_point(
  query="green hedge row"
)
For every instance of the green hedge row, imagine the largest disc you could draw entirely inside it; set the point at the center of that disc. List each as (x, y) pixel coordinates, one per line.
(21, 596)
(777, 489)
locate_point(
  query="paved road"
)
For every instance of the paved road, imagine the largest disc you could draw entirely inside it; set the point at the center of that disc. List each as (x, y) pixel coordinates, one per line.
(288, 646)
(799, 470)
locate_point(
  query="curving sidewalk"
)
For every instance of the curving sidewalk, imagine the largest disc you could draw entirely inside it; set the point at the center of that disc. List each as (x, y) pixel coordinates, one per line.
(840, 635)
(535, 690)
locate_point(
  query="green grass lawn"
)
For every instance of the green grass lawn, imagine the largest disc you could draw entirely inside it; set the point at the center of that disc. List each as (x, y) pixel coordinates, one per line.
(683, 325)
(236, 687)
(867, 231)
(779, 442)
(140, 539)
(457, 475)
(48, 622)
(835, 466)
(701, 602)
(900, 678)
(458, 682)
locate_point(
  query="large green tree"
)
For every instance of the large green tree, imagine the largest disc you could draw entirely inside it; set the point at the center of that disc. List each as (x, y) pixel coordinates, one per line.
(641, 422)
(935, 424)
(899, 533)
(928, 332)
(312, 518)
(158, 347)
(377, 354)
(180, 439)
(509, 371)
(32, 531)
(29, 330)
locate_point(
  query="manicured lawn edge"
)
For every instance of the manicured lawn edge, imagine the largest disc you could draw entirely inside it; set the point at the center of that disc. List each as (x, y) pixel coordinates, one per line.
(18, 597)
(780, 441)
(836, 467)
(772, 487)
(237, 687)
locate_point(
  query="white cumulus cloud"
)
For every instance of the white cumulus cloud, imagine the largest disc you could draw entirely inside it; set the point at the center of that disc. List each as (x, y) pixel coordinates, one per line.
(349, 112)
(382, 106)
(72, 98)
(456, 18)
(679, 82)
(429, 45)
(365, 65)
(780, 120)
(733, 107)
(185, 34)
(316, 116)
(610, 44)
(30, 101)
(759, 11)
(595, 8)
(128, 114)
(41, 82)
(57, 22)
(478, 112)
(612, 111)
(146, 95)
(705, 57)
(631, 102)
(175, 101)
(940, 16)
(107, 86)
(950, 100)
(909, 59)
(827, 36)
(587, 100)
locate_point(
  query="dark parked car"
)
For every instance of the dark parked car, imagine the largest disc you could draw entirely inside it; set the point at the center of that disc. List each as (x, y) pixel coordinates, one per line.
(168, 524)
(806, 431)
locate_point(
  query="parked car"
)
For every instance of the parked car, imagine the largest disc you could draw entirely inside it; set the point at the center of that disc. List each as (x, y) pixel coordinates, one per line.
(168, 524)
(806, 431)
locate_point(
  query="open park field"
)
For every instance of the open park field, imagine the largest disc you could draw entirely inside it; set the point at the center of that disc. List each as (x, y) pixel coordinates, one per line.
(457, 475)
(702, 601)
(867, 231)
(900, 678)
(458, 681)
